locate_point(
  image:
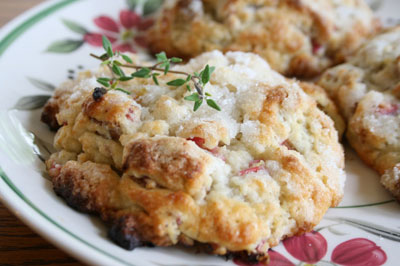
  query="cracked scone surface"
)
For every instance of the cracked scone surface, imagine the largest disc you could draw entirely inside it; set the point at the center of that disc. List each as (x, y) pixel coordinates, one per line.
(267, 166)
(298, 38)
(367, 90)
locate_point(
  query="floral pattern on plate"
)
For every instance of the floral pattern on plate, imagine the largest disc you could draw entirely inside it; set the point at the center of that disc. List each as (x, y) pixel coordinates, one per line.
(125, 33)
(349, 235)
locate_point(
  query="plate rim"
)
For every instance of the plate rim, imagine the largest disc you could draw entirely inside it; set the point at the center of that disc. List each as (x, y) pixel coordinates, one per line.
(24, 208)
(31, 215)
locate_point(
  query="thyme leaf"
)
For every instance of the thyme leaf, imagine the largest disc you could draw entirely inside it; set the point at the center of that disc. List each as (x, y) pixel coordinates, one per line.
(197, 105)
(193, 97)
(176, 82)
(213, 104)
(163, 65)
(127, 59)
(104, 81)
(107, 46)
(142, 73)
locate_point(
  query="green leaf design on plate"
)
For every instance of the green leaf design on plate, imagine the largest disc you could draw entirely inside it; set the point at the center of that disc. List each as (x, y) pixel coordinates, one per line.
(64, 46)
(364, 205)
(375, 4)
(151, 6)
(31, 102)
(132, 4)
(369, 227)
(336, 231)
(75, 27)
(40, 84)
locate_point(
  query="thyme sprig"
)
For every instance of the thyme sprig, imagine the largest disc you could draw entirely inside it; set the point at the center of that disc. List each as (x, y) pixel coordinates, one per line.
(162, 66)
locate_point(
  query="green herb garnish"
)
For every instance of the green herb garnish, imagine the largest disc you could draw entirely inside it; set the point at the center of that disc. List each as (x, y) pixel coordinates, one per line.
(197, 80)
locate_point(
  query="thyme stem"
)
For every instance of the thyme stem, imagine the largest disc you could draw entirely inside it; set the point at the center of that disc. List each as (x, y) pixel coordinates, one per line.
(163, 64)
(195, 79)
(139, 67)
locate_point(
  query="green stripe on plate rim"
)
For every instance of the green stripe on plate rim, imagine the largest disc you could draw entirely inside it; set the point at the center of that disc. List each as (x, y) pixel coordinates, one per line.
(4, 45)
(365, 205)
(33, 206)
(15, 33)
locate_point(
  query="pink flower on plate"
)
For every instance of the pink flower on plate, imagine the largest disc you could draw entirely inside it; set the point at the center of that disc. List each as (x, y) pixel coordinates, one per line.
(124, 34)
(310, 247)
(358, 252)
(275, 259)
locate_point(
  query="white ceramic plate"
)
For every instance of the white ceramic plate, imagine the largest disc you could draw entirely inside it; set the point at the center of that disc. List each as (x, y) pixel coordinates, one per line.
(51, 42)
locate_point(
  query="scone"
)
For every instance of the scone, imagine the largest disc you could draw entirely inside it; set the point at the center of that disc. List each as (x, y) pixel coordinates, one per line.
(298, 38)
(367, 90)
(325, 104)
(233, 182)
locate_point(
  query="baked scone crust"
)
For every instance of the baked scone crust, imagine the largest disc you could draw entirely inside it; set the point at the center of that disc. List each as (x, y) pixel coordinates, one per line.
(268, 166)
(367, 91)
(325, 104)
(298, 38)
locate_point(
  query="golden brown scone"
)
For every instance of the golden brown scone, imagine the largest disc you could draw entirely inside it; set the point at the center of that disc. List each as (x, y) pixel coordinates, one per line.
(266, 167)
(60, 98)
(367, 90)
(325, 104)
(374, 133)
(298, 38)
